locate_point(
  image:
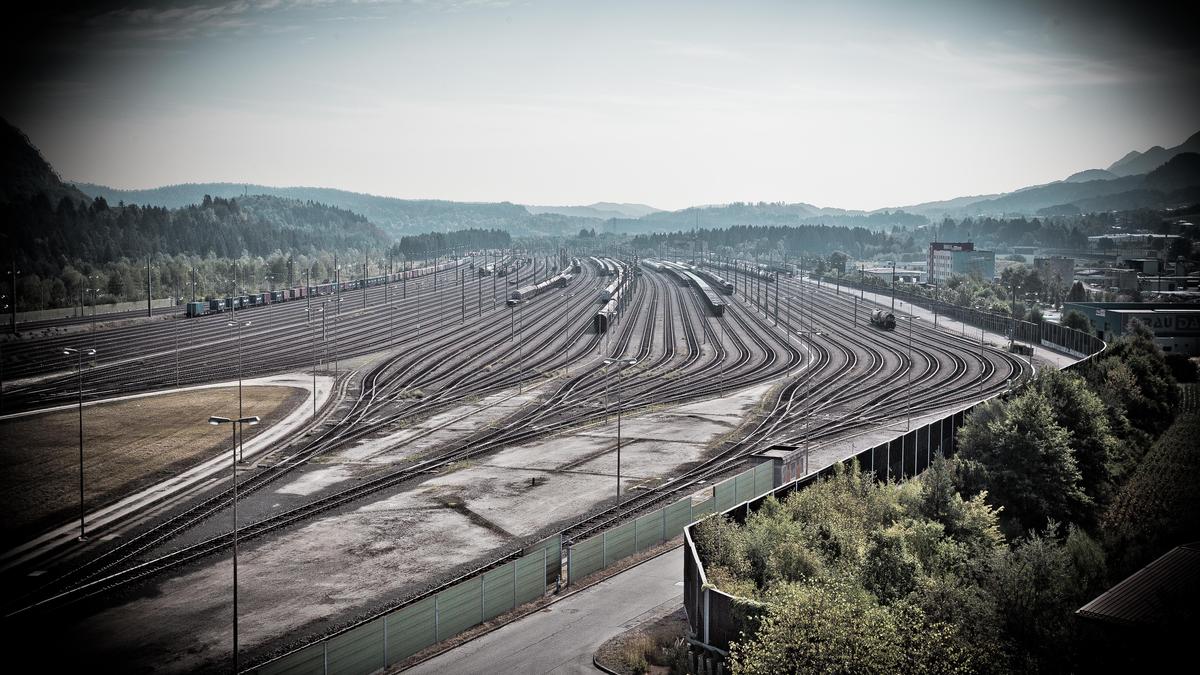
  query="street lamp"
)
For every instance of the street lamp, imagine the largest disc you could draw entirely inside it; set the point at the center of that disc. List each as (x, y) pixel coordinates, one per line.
(239, 325)
(313, 328)
(607, 363)
(215, 421)
(567, 331)
(80, 353)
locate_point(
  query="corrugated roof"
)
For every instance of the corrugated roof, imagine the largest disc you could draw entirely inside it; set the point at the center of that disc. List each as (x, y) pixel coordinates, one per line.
(1139, 600)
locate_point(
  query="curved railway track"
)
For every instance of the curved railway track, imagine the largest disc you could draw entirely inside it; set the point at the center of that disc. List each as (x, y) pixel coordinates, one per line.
(845, 373)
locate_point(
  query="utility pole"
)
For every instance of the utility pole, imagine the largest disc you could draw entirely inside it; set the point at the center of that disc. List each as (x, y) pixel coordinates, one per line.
(893, 287)
(12, 305)
(776, 280)
(149, 306)
(1012, 332)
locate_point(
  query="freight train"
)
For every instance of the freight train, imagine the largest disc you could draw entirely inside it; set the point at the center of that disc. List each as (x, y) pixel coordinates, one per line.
(559, 280)
(236, 302)
(617, 291)
(703, 283)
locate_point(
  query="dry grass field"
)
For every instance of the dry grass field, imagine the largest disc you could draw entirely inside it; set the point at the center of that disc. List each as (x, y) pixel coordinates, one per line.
(128, 445)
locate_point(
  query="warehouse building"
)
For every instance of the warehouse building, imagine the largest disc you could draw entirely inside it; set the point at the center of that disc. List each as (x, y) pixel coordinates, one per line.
(1176, 326)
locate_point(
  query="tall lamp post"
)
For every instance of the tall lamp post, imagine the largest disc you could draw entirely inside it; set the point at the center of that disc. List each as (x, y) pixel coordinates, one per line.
(607, 363)
(313, 330)
(238, 325)
(80, 353)
(234, 424)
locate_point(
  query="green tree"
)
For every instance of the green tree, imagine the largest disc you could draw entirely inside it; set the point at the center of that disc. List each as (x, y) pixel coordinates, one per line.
(1077, 293)
(1076, 319)
(1151, 400)
(1077, 409)
(1024, 458)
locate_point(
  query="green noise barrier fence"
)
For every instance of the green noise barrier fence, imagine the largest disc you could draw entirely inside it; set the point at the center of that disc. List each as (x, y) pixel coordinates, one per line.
(390, 638)
(644, 532)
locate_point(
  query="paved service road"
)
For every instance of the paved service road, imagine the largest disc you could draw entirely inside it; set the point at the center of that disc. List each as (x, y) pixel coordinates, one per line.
(561, 637)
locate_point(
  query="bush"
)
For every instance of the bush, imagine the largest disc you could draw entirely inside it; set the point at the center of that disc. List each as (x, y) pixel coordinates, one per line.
(1182, 367)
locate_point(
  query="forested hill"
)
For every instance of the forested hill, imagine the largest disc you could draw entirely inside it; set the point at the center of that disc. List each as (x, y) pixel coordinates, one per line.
(397, 217)
(46, 235)
(48, 223)
(24, 173)
(764, 214)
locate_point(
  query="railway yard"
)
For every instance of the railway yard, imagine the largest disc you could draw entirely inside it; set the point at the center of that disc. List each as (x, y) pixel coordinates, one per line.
(433, 425)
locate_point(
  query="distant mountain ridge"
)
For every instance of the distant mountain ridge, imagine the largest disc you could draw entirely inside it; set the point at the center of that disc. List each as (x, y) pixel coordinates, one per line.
(1144, 162)
(1129, 183)
(1090, 174)
(1137, 180)
(397, 217)
(601, 210)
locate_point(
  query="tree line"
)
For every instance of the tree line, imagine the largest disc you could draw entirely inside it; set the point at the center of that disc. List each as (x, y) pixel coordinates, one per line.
(431, 243)
(772, 240)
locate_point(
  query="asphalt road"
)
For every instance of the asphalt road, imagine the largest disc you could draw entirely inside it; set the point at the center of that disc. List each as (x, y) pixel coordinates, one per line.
(561, 638)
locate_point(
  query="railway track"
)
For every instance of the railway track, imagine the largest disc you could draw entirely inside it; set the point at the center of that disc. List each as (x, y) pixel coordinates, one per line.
(661, 317)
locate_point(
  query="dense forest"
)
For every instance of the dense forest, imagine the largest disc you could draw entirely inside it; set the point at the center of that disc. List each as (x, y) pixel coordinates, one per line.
(774, 240)
(57, 247)
(424, 245)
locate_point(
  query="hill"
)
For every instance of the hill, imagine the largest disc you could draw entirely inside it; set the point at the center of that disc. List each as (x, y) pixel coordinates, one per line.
(762, 214)
(1144, 162)
(24, 172)
(50, 224)
(397, 217)
(601, 210)
(1090, 174)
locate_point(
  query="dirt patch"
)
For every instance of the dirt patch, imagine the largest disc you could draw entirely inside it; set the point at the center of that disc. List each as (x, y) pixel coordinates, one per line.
(657, 645)
(128, 445)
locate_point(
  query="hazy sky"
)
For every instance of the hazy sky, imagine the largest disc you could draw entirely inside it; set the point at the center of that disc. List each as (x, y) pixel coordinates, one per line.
(854, 105)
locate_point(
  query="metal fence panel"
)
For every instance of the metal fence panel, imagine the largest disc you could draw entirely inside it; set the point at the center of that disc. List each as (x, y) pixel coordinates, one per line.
(649, 530)
(458, 608)
(764, 478)
(531, 576)
(553, 548)
(307, 661)
(704, 508)
(678, 515)
(409, 630)
(587, 557)
(743, 486)
(620, 543)
(358, 651)
(498, 591)
(723, 492)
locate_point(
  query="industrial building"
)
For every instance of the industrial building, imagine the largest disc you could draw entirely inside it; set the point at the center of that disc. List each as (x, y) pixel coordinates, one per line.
(961, 258)
(1176, 326)
(1050, 267)
(904, 276)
